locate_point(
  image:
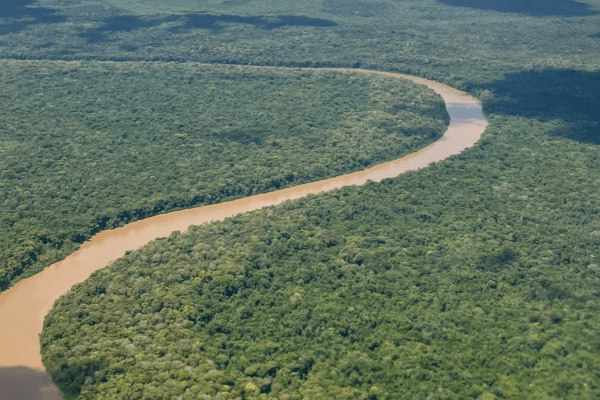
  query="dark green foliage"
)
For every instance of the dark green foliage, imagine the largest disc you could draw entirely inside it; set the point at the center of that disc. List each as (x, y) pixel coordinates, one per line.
(500, 259)
(18, 15)
(549, 94)
(213, 23)
(456, 45)
(474, 278)
(86, 147)
(536, 8)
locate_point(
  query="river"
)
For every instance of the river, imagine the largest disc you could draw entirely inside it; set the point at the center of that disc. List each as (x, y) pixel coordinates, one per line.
(24, 306)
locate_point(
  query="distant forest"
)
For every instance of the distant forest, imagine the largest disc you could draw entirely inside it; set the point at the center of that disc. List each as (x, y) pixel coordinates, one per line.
(459, 42)
(476, 278)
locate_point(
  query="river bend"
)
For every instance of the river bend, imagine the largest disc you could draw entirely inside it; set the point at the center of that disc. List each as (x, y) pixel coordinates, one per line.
(24, 306)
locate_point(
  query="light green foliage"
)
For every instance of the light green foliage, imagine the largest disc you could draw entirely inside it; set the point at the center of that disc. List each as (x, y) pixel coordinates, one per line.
(473, 278)
(87, 147)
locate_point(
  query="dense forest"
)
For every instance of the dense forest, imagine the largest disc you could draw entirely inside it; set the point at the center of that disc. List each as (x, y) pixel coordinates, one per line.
(444, 40)
(111, 143)
(474, 278)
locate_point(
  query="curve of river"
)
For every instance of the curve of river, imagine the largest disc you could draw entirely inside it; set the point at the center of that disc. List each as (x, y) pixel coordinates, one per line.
(24, 306)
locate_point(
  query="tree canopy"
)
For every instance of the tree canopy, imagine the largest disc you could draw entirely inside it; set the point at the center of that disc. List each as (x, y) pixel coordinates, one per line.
(473, 278)
(115, 142)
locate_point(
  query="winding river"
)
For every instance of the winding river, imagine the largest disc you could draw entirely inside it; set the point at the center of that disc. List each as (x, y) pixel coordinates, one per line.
(24, 306)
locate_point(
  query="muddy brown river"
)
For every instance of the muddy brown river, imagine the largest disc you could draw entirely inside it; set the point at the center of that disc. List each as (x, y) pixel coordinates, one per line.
(24, 306)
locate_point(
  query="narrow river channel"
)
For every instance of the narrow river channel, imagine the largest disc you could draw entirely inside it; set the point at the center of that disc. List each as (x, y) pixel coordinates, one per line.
(24, 306)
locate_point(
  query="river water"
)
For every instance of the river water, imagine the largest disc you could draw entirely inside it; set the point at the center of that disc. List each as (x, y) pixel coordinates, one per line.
(24, 306)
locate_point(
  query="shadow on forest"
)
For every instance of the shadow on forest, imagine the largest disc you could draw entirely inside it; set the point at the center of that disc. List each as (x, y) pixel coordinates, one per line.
(22, 16)
(122, 23)
(354, 8)
(128, 23)
(571, 96)
(535, 8)
(27, 383)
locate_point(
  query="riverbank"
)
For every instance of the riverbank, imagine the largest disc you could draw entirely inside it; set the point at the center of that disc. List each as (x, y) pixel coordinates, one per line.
(23, 307)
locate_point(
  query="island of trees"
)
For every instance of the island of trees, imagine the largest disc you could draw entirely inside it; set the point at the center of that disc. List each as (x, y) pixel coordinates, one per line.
(114, 142)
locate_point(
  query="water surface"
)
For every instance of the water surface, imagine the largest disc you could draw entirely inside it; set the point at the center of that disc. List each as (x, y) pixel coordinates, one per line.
(21, 383)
